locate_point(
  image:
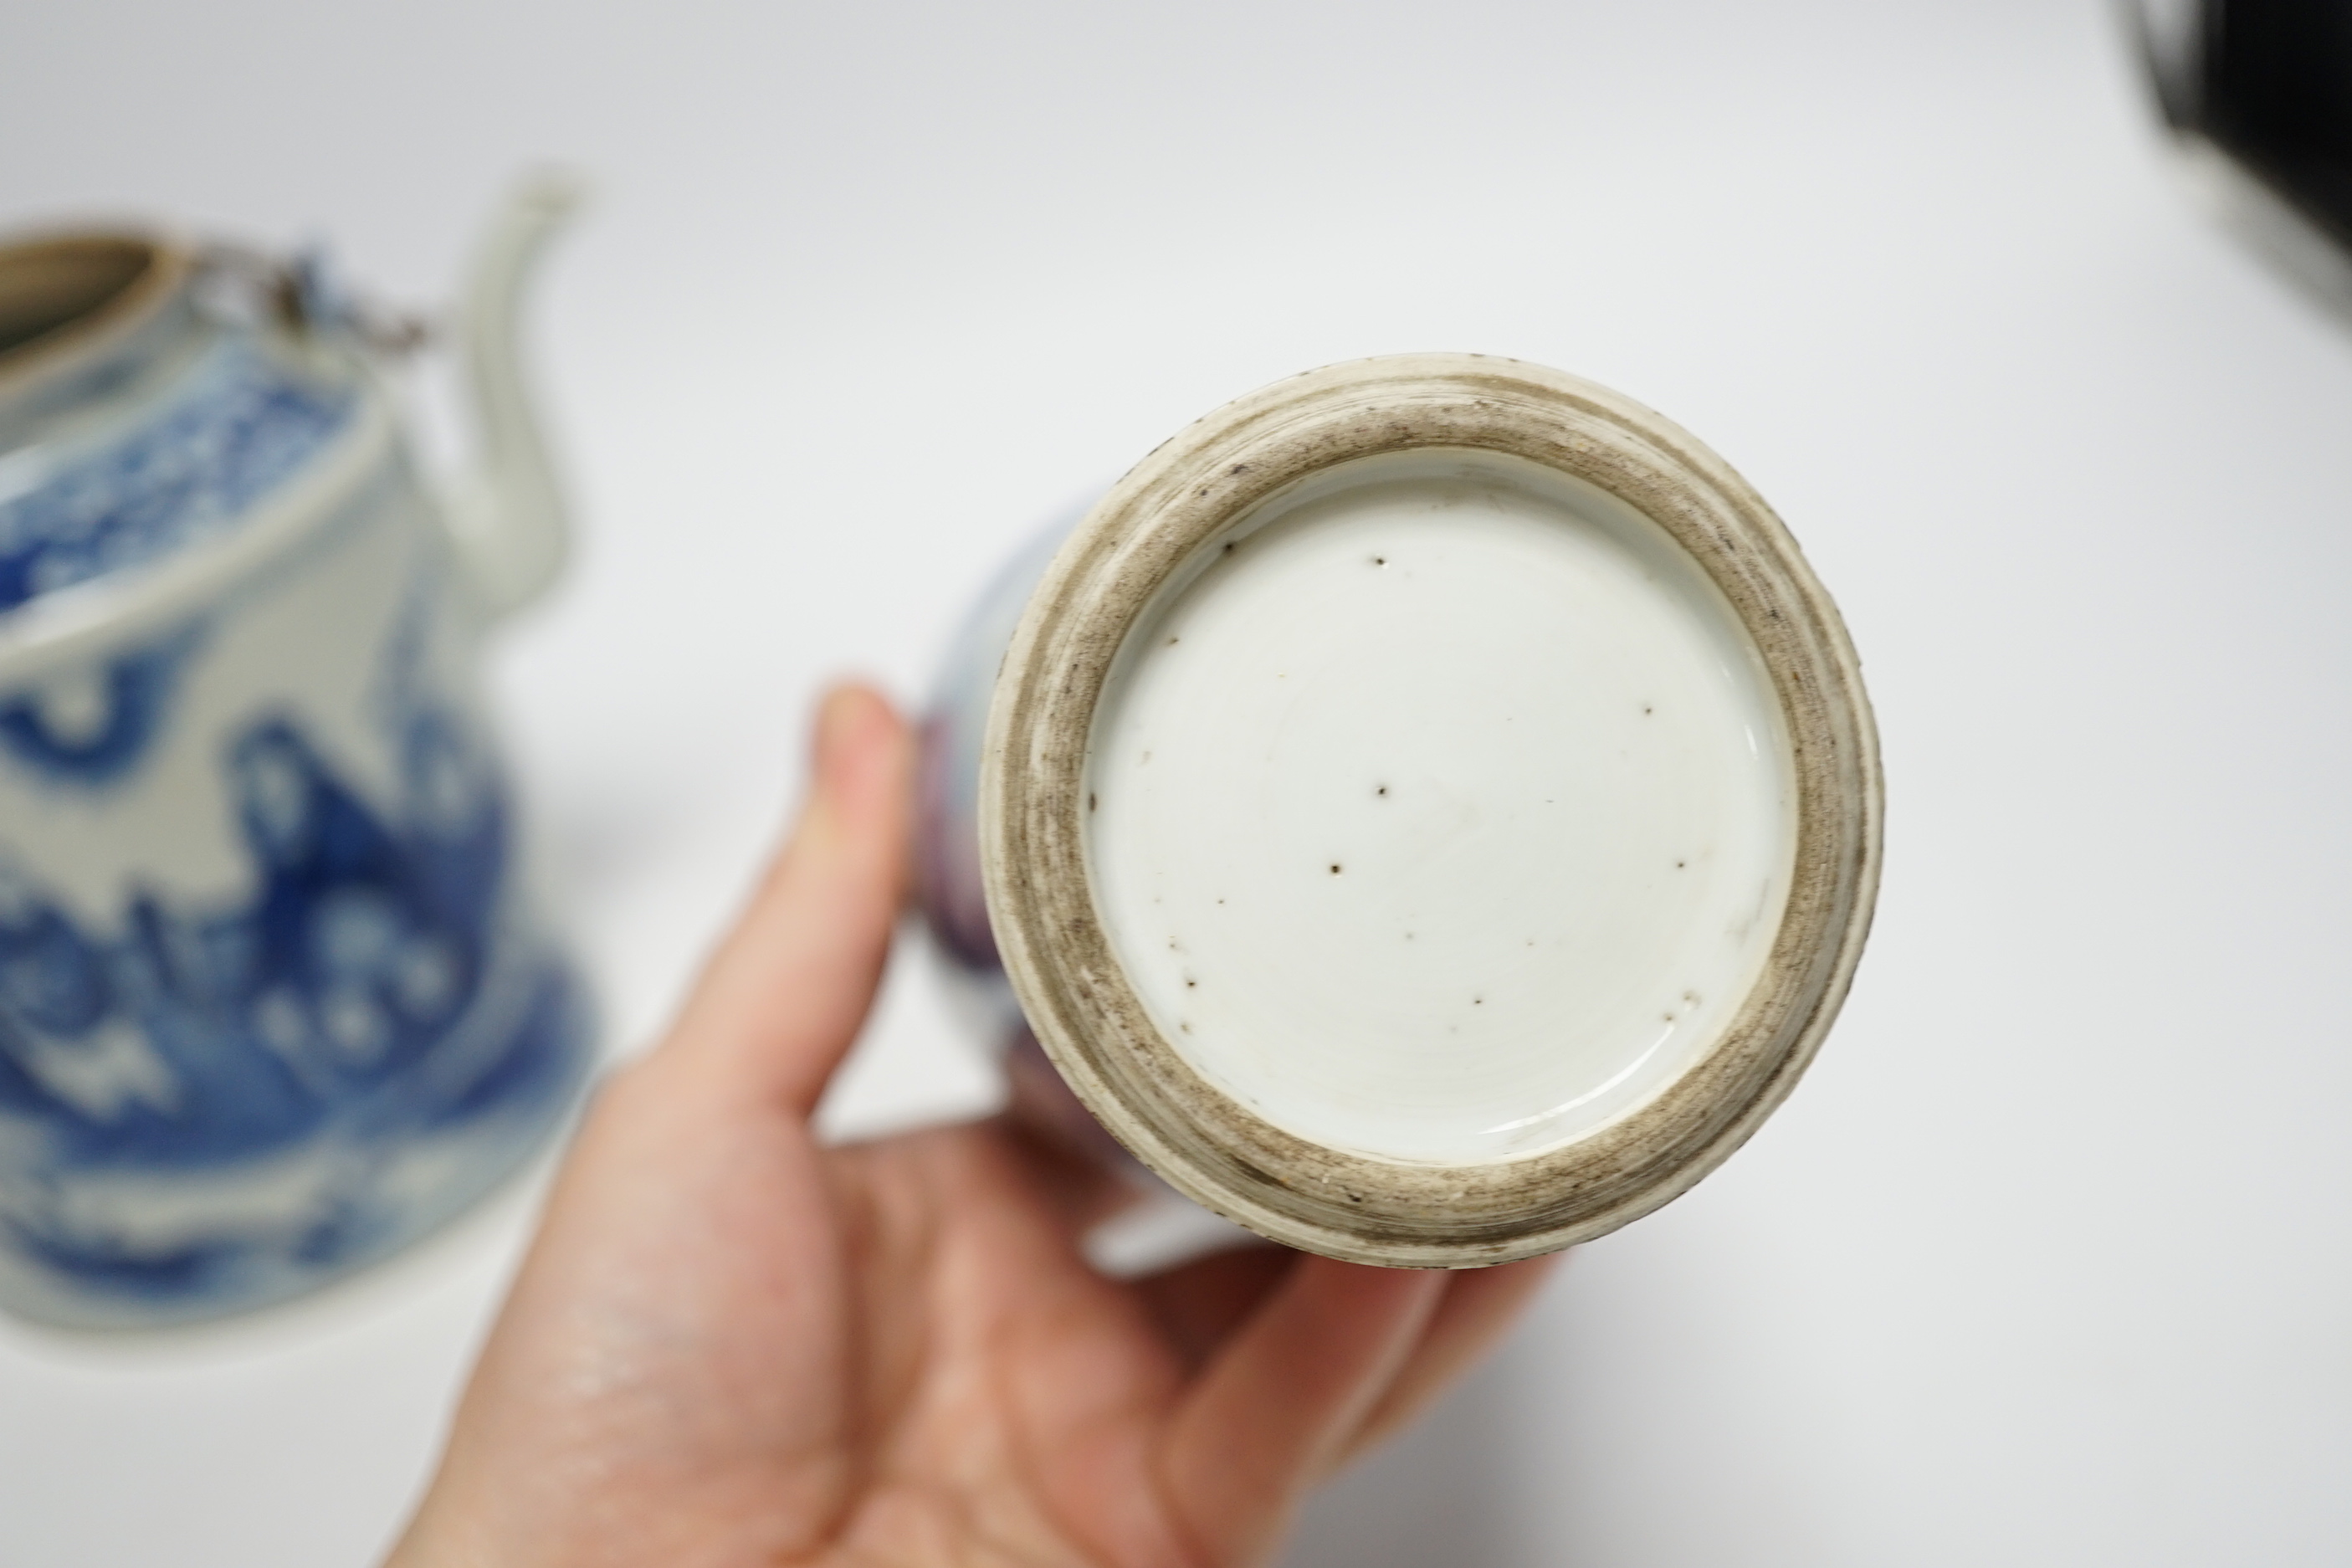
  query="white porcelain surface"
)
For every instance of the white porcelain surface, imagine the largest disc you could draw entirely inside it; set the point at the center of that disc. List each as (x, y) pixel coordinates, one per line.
(1444, 815)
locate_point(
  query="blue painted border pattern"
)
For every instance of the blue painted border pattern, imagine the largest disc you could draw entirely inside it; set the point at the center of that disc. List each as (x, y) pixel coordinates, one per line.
(237, 427)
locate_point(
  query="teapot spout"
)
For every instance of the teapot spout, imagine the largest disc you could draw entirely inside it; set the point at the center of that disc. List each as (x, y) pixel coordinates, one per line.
(506, 515)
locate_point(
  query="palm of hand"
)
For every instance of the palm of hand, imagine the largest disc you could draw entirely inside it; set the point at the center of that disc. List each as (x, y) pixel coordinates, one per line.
(730, 1346)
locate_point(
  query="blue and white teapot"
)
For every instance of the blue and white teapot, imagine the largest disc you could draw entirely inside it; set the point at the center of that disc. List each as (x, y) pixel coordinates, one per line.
(272, 1003)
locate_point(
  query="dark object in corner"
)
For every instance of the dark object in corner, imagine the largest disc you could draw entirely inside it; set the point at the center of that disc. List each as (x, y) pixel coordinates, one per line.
(2260, 92)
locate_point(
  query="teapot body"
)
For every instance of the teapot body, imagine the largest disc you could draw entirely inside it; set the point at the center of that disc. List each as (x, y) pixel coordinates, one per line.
(273, 1001)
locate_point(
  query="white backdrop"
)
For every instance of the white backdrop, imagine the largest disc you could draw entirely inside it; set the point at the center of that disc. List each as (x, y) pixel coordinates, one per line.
(2045, 1263)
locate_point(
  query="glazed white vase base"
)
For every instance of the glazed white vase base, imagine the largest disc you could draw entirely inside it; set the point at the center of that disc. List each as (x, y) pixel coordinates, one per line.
(1461, 581)
(1441, 809)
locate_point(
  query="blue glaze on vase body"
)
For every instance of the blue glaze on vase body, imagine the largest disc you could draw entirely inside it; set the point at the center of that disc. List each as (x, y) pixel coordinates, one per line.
(273, 1002)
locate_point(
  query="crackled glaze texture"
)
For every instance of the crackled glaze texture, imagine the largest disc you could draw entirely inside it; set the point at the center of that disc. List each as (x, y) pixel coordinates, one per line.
(1443, 812)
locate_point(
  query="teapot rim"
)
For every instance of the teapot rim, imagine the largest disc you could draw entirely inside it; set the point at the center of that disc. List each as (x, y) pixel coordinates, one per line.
(164, 268)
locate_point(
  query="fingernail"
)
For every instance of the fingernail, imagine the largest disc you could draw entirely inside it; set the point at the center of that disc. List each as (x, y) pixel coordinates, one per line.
(847, 724)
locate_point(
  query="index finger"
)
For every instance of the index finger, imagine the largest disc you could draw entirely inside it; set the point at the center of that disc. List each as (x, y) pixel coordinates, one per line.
(784, 997)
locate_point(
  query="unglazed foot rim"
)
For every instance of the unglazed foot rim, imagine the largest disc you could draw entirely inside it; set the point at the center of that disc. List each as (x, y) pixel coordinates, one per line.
(1062, 961)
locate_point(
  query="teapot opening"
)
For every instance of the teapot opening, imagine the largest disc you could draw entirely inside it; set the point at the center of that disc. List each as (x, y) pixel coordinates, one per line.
(49, 288)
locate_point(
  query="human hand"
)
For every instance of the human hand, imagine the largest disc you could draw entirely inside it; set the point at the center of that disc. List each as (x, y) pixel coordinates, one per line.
(730, 1345)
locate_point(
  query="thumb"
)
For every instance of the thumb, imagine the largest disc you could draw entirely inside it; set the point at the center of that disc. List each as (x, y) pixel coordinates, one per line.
(781, 1000)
